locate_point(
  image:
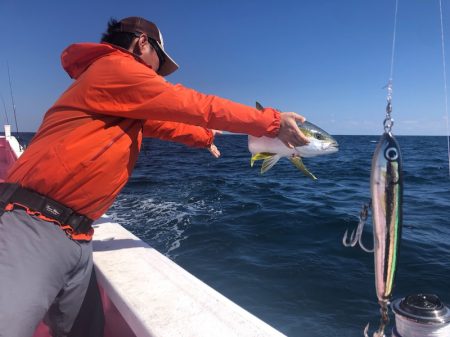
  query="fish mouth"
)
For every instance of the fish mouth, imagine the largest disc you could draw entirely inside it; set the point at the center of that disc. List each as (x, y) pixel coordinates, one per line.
(332, 147)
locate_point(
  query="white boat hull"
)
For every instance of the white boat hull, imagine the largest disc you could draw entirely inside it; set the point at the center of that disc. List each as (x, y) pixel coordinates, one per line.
(144, 293)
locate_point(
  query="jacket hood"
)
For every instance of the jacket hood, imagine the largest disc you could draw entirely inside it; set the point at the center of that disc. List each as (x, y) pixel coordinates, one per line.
(76, 58)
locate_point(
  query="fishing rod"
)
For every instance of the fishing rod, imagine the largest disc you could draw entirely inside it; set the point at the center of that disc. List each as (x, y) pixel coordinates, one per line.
(4, 106)
(12, 99)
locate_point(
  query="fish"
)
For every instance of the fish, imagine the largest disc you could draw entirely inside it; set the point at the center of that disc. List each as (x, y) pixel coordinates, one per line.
(270, 150)
(386, 185)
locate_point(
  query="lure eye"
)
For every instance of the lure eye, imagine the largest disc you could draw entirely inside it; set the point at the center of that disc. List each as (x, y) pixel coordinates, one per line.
(391, 153)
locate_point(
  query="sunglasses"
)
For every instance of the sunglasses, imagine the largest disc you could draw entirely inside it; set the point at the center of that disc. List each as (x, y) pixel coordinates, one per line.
(159, 52)
(156, 47)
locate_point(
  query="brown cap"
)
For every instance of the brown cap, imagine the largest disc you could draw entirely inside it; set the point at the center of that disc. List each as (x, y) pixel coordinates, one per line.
(134, 24)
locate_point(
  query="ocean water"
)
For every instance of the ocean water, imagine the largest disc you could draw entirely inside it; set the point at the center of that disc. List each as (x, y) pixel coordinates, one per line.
(272, 242)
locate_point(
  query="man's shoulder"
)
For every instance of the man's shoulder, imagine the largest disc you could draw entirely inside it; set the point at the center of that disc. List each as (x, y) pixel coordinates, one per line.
(122, 60)
(79, 57)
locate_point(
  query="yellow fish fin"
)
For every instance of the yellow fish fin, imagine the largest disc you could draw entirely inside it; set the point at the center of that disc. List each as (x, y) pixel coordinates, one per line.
(298, 163)
(260, 156)
(269, 162)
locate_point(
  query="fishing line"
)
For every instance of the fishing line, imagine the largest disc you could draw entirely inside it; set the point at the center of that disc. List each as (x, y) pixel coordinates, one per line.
(393, 40)
(388, 121)
(445, 82)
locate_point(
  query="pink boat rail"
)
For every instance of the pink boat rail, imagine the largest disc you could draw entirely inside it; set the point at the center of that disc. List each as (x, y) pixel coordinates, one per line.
(7, 158)
(115, 325)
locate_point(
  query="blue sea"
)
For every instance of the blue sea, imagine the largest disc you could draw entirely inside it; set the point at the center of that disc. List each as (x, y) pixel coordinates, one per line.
(272, 243)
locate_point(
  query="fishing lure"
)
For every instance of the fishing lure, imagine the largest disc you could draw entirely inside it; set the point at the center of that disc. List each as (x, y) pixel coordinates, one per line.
(386, 184)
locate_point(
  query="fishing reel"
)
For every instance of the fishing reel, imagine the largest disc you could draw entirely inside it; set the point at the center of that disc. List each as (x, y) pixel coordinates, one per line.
(421, 315)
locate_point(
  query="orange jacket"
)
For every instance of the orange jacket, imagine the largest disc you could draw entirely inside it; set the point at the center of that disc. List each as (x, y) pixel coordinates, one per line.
(86, 148)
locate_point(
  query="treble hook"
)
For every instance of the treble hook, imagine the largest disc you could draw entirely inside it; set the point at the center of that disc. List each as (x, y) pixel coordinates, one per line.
(356, 235)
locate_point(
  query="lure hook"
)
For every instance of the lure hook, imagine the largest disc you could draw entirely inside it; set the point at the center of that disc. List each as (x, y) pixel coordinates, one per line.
(356, 235)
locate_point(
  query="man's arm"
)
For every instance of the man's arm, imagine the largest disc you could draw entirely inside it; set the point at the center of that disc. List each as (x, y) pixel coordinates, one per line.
(135, 91)
(190, 135)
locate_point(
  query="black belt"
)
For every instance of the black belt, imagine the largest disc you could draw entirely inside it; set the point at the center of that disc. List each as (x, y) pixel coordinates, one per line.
(14, 193)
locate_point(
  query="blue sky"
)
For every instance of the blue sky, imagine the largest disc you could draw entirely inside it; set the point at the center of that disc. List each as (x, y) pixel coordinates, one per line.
(326, 59)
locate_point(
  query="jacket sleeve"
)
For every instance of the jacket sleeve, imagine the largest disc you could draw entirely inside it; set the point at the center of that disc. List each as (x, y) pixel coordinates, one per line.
(190, 135)
(135, 91)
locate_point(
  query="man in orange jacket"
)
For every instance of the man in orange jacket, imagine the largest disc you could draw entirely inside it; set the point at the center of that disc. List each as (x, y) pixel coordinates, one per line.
(83, 155)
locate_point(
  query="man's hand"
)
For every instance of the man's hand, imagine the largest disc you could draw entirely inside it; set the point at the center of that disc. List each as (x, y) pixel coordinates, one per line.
(289, 132)
(214, 151)
(212, 148)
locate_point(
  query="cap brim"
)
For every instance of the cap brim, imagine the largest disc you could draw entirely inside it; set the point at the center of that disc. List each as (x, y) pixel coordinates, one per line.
(169, 65)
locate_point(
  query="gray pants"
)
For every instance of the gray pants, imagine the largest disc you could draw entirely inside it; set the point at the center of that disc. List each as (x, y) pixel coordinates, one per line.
(42, 274)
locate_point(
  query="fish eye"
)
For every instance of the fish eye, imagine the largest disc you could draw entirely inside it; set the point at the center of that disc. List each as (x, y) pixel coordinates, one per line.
(391, 153)
(319, 136)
